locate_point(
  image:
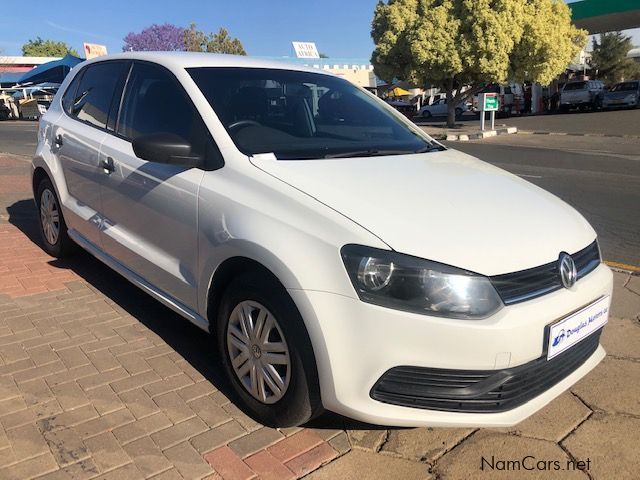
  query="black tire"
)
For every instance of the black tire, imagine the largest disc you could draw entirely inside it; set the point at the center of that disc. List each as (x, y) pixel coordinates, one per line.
(63, 246)
(426, 114)
(458, 112)
(301, 400)
(597, 104)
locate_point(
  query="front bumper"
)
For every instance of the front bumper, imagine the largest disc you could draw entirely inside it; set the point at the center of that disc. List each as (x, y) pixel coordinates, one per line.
(355, 343)
(614, 104)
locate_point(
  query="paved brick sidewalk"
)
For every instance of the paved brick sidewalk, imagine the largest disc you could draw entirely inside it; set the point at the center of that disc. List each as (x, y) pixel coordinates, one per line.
(97, 380)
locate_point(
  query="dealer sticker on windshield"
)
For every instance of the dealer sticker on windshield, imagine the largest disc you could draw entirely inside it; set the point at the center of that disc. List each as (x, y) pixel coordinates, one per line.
(569, 331)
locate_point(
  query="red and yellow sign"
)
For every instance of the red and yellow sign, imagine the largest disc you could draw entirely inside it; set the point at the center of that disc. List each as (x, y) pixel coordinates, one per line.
(93, 50)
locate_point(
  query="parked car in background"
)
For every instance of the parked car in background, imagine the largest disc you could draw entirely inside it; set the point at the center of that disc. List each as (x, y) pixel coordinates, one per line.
(405, 108)
(509, 96)
(439, 109)
(582, 94)
(623, 94)
(339, 256)
(4, 112)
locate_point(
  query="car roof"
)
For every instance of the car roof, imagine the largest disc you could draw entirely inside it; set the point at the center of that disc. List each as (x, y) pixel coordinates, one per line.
(179, 60)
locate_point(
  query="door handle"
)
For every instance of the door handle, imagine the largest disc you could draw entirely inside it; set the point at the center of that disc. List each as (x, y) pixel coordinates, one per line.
(58, 141)
(108, 166)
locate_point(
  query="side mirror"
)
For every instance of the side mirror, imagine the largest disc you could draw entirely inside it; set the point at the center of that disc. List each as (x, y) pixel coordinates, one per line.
(166, 148)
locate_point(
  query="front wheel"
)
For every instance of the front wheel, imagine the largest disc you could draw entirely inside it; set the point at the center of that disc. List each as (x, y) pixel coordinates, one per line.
(266, 352)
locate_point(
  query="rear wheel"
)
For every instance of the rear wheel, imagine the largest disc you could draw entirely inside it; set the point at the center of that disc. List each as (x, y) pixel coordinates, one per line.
(458, 112)
(266, 352)
(53, 229)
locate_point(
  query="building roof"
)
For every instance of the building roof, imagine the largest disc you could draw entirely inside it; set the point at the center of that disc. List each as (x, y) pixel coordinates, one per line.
(20, 60)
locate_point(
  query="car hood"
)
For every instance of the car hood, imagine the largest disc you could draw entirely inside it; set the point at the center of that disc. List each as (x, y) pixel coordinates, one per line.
(444, 206)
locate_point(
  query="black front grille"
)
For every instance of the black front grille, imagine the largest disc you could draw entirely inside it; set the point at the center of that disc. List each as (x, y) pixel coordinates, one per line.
(480, 390)
(534, 282)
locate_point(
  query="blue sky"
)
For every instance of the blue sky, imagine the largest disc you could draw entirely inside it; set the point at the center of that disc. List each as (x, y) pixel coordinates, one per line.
(340, 28)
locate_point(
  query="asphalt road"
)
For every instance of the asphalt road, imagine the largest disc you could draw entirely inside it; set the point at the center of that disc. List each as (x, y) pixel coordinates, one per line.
(598, 176)
(18, 137)
(615, 122)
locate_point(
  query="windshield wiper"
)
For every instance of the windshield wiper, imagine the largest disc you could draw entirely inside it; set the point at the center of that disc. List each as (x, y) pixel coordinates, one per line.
(380, 153)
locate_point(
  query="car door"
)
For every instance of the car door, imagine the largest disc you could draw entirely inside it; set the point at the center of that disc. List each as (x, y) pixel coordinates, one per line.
(78, 134)
(150, 208)
(439, 108)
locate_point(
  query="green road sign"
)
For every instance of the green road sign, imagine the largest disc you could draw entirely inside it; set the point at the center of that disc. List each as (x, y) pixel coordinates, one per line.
(491, 102)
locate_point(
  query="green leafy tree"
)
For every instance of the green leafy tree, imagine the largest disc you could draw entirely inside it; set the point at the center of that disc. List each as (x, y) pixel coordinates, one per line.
(323, 55)
(609, 57)
(469, 43)
(195, 40)
(47, 48)
(220, 42)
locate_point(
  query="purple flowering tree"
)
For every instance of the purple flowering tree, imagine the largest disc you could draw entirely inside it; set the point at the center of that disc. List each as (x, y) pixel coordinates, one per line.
(166, 37)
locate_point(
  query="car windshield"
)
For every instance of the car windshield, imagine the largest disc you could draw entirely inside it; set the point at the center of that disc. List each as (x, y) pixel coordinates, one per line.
(303, 115)
(624, 87)
(575, 86)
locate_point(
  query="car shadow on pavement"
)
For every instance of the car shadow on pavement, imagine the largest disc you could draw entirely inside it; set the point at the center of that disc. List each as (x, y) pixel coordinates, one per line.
(193, 344)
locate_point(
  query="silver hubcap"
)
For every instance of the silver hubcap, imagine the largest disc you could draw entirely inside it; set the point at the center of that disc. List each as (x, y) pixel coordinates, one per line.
(49, 216)
(258, 351)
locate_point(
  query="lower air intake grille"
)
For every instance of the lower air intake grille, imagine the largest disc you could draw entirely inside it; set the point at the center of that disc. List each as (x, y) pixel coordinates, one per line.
(480, 390)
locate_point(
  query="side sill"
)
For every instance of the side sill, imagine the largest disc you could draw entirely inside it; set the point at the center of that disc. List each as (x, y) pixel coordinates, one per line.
(140, 282)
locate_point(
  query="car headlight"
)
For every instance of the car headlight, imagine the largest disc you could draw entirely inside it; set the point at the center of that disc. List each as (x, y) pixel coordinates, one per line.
(412, 284)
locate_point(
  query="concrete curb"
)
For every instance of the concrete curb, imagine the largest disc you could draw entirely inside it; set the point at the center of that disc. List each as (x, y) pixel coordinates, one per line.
(572, 134)
(623, 268)
(465, 137)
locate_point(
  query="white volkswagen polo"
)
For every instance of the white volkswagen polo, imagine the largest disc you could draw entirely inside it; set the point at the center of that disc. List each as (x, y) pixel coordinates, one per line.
(340, 258)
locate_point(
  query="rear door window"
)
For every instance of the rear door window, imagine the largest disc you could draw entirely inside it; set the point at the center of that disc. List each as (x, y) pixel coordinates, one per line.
(93, 99)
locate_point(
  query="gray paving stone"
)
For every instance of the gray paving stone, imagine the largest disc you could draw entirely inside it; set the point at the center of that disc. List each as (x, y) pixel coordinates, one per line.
(178, 433)
(187, 461)
(359, 464)
(493, 455)
(367, 439)
(626, 303)
(174, 407)
(257, 440)
(147, 456)
(553, 422)
(218, 436)
(143, 427)
(209, 411)
(66, 445)
(611, 443)
(424, 444)
(106, 452)
(612, 386)
(621, 338)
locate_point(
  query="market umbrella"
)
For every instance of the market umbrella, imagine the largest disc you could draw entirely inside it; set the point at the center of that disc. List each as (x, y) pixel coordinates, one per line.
(53, 72)
(399, 92)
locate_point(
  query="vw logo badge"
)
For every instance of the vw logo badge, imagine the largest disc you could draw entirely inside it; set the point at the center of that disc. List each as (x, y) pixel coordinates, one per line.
(567, 269)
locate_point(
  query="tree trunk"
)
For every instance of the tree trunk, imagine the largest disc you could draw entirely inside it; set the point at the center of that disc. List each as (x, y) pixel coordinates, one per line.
(451, 105)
